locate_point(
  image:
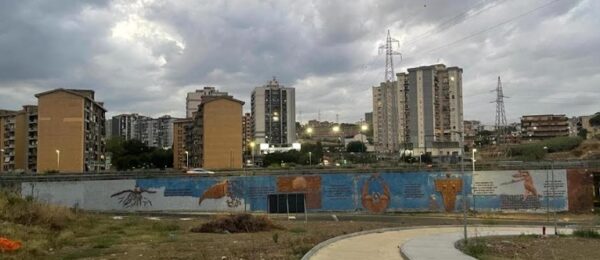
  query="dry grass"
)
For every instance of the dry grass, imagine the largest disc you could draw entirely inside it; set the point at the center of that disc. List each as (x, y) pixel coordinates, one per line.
(28, 212)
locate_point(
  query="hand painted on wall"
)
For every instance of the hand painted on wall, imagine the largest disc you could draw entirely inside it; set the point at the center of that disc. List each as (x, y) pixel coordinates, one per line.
(133, 198)
(449, 188)
(375, 200)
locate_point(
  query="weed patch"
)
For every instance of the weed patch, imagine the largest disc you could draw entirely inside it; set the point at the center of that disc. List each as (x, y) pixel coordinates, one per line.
(586, 233)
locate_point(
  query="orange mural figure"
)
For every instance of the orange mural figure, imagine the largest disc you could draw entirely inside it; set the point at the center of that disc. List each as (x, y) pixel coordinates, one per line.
(216, 191)
(309, 185)
(375, 201)
(448, 188)
(528, 185)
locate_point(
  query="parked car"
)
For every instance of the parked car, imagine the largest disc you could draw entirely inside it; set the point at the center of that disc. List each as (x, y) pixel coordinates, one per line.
(199, 171)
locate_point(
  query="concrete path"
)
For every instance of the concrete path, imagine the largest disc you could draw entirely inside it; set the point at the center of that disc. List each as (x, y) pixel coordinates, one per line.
(415, 243)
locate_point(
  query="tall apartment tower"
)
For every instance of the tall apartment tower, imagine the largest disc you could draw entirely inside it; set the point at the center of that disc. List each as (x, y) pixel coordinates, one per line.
(389, 115)
(194, 99)
(246, 131)
(422, 112)
(126, 126)
(71, 133)
(216, 140)
(274, 114)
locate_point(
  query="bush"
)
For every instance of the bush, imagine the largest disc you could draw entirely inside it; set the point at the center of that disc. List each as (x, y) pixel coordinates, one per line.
(535, 151)
(29, 212)
(586, 233)
(236, 223)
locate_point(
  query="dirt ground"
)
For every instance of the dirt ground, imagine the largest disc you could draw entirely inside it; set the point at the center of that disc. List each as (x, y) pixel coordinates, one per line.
(536, 247)
(99, 236)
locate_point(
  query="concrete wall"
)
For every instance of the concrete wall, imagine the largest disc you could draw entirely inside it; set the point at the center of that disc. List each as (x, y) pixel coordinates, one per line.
(60, 127)
(365, 192)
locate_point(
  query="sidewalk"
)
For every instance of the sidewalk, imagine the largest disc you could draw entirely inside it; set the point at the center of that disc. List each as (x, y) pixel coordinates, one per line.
(417, 243)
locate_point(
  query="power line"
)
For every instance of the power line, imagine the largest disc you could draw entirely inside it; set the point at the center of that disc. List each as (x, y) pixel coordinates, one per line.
(492, 27)
(446, 24)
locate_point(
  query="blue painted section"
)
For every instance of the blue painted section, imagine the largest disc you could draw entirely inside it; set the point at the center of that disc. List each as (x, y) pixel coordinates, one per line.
(337, 192)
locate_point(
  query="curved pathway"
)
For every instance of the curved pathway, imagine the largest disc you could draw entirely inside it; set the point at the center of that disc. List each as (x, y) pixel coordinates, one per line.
(415, 243)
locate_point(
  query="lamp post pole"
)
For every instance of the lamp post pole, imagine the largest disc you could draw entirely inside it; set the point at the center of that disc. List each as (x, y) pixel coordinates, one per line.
(57, 160)
(187, 160)
(309, 158)
(252, 145)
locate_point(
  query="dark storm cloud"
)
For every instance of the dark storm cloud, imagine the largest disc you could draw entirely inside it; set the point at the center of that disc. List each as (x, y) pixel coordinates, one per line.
(143, 56)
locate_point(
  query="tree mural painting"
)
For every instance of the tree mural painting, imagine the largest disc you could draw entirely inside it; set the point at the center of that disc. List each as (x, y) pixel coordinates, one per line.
(449, 188)
(378, 200)
(133, 198)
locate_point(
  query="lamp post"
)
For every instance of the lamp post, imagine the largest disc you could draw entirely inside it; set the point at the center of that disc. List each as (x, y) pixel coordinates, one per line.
(2, 158)
(473, 158)
(103, 161)
(309, 131)
(462, 172)
(187, 160)
(310, 158)
(363, 129)
(252, 145)
(336, 129)
(57, 159)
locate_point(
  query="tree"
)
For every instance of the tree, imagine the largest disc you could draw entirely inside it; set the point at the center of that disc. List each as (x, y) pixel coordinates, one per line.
(582, 133)
(595, 120)
(356, 147)
(133, 154)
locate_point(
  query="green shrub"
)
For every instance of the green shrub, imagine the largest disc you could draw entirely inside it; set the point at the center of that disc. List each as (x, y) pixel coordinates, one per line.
(586, 233)
(536, 151)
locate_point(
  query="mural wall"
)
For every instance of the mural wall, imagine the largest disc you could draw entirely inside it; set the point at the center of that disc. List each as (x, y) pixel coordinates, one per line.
(365, 192)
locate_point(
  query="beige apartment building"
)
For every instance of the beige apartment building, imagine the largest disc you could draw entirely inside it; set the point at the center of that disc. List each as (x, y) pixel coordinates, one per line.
(181, 128)
(71, 131)
(18, 141)
(216, 141)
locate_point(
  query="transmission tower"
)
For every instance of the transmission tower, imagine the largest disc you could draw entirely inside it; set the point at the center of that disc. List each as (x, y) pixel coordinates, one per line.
(389, 54)
(501, 126)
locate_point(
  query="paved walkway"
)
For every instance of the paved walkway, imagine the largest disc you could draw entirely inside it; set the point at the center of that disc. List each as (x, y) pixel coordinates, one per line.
(419, 243)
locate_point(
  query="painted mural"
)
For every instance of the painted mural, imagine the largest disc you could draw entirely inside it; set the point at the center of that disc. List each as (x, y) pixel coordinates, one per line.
(532, 190)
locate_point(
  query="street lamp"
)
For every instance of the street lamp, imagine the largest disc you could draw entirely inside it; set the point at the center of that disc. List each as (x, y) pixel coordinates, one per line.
(252, 145)
(473, 158)
(462, 172)
(310, 158)
(103, 160)
(363, 129)
(336, 129)
(187, 159)
(57, 159)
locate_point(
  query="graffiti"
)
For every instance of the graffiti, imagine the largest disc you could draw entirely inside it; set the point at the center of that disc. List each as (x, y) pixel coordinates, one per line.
(525, 177)
(448, 188)
(133, 198)
(223, 189)
(375, 201)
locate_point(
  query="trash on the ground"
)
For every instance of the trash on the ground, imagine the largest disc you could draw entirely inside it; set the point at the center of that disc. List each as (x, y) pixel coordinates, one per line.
(7, 245)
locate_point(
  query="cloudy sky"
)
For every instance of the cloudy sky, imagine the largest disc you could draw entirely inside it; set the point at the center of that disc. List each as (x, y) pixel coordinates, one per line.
(143, 56)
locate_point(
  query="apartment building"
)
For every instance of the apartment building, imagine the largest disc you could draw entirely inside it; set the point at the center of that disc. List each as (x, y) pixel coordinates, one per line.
(194, 99)
(182, 130)
(274, 114)
(20, 139)
(7, 139)
(420, 112)
(216, 140)
(539, 127)
(246, 132)
(71, 131)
